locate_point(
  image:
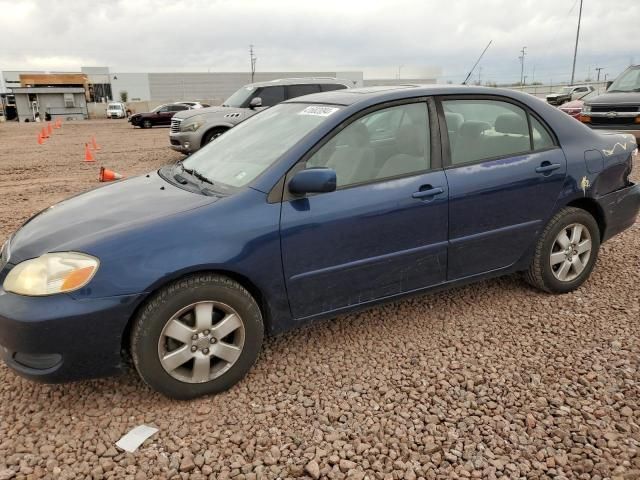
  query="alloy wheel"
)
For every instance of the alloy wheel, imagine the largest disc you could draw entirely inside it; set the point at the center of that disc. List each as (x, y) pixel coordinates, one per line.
(570, 252)
(201, 342)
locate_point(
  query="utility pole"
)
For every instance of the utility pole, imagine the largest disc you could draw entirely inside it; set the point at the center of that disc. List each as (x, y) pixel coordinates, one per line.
(575, 50)
(479, 75)
(521, 57)
(253, 59)
(598, 70)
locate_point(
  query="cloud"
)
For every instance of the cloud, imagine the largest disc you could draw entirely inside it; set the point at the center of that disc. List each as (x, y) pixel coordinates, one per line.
(374, 35)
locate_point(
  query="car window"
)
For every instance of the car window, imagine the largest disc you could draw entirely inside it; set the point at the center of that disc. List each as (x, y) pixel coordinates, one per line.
(177, 108)
(383, 124)
(328, 87)
(161, 109)
(541, 137)
(356, 160)
(270, 95)
(482, 129)
(299, 90)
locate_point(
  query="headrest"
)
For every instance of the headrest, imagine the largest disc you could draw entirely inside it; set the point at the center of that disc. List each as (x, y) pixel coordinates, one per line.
(356, 135)
(454, 120)
(473, 128)
(512, 124)
(410, 141)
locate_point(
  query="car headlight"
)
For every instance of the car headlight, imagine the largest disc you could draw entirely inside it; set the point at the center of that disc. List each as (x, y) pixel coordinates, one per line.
(586, 109)
(51, 273)
(192, 124)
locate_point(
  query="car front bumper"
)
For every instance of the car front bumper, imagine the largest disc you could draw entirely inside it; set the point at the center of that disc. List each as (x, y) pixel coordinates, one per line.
(58, 338)
(184, 142)
(620, 209)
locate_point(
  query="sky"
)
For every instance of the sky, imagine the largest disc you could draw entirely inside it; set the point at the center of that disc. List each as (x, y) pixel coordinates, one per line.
(378, 37)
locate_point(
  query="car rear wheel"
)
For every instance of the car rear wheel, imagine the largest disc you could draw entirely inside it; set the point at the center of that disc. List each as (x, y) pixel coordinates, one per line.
(566, 252)
(212, 135)
(147, 124)
(197, 336)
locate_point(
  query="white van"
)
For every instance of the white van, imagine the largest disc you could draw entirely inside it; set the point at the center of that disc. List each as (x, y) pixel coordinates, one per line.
(116, 110)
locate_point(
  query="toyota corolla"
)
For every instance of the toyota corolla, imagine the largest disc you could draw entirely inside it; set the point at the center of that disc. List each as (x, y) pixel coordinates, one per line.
(318, 206)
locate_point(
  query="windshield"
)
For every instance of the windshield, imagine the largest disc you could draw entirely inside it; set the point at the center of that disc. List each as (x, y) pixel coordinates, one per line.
(567, 89)
(115, 106)
(244, 152)
(158, 108)
(239, 98)
(629, 81)
(589, 95)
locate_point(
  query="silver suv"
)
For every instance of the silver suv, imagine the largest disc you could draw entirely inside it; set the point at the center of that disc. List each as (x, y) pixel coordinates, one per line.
(192, 129)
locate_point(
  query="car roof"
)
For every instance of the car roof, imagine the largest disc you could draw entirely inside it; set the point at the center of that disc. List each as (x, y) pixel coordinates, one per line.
(300, 81)
(378, 94)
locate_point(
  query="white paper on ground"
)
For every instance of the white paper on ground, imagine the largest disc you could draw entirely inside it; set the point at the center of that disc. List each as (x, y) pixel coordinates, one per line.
(132, 440)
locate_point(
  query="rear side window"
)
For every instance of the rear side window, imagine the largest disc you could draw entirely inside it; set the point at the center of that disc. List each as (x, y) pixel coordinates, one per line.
(177, 108)
(328, 87)
(484, 129)
(299, 90)
(270, 95)
(541, 137)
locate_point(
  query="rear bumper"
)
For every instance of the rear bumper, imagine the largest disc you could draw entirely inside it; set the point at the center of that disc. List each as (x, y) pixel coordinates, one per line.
(620, 210)
(57, 338)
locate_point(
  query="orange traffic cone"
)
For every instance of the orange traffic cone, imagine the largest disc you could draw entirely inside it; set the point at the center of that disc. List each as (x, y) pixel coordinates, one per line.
(49, 129)
(94, 144)
(88, 156)
(40, 139)
(57, 124)
(107, 175)
(43, 133)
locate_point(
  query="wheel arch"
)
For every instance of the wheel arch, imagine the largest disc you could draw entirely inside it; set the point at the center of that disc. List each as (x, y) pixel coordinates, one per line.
(243, 280)
(593, 208)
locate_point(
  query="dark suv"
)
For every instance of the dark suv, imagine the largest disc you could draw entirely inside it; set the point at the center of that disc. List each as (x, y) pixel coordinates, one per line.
(619, 107)
(195, 128)
(161, 115)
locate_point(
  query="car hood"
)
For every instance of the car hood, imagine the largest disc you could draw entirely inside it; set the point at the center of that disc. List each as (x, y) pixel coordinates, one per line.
(220, 110)
(613, 98)
(77, 221)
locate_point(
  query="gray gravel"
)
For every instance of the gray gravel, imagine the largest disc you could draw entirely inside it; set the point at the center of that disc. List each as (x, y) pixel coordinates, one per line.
(491, 380)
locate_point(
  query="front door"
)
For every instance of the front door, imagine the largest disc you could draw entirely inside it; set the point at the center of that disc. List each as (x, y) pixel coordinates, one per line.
(505, 172)
(381, 233)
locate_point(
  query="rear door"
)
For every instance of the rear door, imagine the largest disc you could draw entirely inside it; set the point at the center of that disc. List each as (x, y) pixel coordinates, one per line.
(381, 233)
(505, 171)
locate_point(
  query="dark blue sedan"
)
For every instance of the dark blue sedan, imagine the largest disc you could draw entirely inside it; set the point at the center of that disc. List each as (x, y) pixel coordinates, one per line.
(318, 206)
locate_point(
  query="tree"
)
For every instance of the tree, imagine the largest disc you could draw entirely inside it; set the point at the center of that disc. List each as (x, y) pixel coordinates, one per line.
(124, 96)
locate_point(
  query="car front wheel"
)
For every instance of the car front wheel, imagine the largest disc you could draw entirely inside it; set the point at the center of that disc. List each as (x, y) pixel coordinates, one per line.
(566, 252)
(197, 336)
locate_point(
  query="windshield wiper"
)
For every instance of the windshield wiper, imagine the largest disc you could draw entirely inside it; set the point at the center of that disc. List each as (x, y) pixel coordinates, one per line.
(193, 172)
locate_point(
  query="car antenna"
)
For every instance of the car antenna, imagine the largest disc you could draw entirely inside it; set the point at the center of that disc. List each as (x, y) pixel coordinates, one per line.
(478, 61)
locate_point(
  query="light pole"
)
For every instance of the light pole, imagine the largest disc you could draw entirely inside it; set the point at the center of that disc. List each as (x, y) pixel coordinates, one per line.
(253, 59)
(399, 70)
(575, 50)
(521, 57)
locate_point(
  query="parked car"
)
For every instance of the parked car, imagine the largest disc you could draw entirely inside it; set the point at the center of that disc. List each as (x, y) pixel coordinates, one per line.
(161, 115)
(116, 110)
(568, 93)
(315, 207)
(574, 107)
(619, 107)
(196, 104)
(191, 130)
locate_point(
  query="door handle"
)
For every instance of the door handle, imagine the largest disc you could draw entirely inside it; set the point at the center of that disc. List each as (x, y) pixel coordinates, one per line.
(428, 192)
(546, 167)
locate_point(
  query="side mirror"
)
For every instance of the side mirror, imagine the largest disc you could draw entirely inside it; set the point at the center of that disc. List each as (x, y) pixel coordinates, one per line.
(313, 180)
(609, 84)
(255, 102)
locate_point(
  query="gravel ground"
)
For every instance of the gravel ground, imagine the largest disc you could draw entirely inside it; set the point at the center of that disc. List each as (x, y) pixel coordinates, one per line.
(490, 380)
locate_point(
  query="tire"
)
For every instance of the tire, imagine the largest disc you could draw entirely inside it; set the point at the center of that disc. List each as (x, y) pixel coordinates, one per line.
(561, 262)
(212, 135)
(171, 313)
(146, 124)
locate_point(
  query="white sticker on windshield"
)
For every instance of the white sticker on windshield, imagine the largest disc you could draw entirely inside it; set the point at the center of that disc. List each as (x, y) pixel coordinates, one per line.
(318, 111)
